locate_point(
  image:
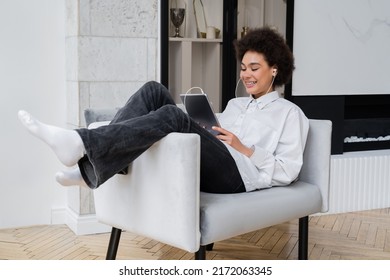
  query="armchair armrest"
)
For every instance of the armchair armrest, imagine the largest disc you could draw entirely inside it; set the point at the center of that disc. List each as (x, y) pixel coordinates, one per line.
(159, 197)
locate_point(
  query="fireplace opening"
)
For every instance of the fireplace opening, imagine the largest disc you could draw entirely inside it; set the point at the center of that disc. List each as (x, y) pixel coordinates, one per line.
(366, 122)
(363, 134)
(364, 130)
(363, 116)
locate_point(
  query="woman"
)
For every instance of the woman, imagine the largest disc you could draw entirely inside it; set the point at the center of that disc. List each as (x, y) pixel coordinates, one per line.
(261, 140)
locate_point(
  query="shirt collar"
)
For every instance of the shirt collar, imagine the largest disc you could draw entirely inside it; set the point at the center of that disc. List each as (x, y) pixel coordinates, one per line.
(264, 100)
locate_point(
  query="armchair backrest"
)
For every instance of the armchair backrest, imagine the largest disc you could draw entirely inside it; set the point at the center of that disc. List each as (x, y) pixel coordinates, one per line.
(316, 158)
(98, 115)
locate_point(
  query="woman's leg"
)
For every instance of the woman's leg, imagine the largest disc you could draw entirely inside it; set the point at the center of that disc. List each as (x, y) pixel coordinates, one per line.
(111, 148)
(147, 117)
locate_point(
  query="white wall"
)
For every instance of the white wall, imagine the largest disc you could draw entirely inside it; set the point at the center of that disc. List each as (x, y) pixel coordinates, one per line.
(32, 76)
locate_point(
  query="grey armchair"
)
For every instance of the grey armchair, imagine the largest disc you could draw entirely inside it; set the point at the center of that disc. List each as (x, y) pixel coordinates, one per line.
(159, 198)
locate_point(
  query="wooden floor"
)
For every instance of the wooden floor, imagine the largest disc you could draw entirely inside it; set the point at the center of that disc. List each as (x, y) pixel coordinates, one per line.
(361, 235)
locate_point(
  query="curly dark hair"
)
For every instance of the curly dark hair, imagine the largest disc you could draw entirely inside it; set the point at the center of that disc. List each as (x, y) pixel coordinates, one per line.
(273, 47)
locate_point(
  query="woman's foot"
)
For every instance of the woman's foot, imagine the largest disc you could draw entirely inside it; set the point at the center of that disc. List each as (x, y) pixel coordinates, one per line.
(70, 178)
(66, 144)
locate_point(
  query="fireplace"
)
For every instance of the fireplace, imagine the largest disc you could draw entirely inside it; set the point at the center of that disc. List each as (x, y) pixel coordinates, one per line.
(366, 134)
(360, 122)
(366, 122)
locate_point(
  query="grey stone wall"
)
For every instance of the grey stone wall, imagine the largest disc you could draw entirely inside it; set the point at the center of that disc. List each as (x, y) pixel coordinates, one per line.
(111, 50)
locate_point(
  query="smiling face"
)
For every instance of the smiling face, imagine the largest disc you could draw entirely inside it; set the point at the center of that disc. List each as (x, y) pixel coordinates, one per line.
(256, 74)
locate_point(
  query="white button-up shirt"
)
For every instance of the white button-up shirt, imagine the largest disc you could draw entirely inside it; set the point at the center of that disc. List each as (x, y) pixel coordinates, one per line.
(276, 129)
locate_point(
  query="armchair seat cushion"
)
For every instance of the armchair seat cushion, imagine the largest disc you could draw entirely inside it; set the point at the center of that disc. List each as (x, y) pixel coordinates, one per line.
(254, 210)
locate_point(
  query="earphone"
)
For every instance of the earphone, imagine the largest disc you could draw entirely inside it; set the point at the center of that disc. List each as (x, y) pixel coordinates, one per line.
(274, 72)
(235, 91)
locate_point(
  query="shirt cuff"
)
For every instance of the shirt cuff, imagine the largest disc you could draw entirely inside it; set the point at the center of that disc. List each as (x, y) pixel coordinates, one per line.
(258, 157)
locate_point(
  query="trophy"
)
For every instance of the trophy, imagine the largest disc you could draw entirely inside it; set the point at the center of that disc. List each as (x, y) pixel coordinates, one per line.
(177, 18)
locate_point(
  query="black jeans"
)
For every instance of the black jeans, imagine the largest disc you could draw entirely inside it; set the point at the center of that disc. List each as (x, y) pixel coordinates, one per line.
(149, 115)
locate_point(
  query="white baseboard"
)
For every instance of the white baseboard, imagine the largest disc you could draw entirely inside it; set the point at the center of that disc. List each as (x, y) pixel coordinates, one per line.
(58, 216)
(79, 224)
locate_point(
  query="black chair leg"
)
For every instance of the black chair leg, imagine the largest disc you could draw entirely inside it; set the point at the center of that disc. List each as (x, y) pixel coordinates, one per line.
(113, 244)
(209, 247)
(303, 239)
(201, 254)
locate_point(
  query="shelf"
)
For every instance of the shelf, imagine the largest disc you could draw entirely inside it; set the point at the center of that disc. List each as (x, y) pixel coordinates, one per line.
(195, 62)
(195, 40)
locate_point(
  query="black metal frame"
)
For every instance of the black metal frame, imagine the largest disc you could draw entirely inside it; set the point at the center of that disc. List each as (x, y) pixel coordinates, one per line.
(289, 41)
(303, 241)
(164, 43)
(229, 62)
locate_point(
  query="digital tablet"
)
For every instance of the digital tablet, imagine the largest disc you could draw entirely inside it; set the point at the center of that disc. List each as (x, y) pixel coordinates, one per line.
(199, 109)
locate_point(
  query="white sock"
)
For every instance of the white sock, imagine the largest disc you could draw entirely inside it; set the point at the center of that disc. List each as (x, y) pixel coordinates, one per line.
(66, 144)
(70, 178)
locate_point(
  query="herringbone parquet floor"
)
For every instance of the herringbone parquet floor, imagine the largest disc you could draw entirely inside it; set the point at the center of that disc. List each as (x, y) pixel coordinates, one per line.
(361, 235)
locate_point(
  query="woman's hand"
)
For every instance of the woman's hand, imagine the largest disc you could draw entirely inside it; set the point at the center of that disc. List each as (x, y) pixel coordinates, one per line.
(232, 140)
